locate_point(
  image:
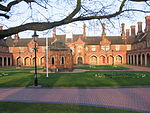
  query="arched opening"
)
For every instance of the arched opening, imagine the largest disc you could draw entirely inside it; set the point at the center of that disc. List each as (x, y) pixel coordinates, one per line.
(9, 61)
(111, 60)
(139, 59)
(0, 61)
(5, 61)
(135, 59)
(93, 59)
(52, 60)
(143, 59)
(132, 59)
(42, 61)
(62, 60)
(102, 60)
(80, 60)
(119, 59)
(19, 62)
(33, 61)
(27, 61)
(148, 59)
(129, 59)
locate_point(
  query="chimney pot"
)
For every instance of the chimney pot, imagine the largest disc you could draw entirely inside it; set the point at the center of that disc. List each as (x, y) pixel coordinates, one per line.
(84, 30)
(103, 31)
(54, 32)
(147, 19)
(16, 37)
(139, 27)
(123, 31)
(133, 30)
(127, 32)
(1, 27)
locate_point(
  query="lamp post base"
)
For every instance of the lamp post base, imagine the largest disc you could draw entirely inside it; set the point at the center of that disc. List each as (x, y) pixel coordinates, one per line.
(33, 86)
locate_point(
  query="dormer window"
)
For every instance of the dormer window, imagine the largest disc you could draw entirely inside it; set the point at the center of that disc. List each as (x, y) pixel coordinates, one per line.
(105, 47)
(93, 48)
(79, 49)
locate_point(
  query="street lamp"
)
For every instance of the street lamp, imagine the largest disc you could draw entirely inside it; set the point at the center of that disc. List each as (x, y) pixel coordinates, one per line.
(35, 36)
(112, 58)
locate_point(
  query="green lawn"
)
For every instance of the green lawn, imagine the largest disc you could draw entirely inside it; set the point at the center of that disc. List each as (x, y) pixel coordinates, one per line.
(85, 79)
(14, 107)
(102, 67)
(20, 68)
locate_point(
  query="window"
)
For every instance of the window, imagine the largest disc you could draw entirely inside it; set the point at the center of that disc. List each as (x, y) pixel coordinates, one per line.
(117, 47)
(93, 48)
(21, 49)
(72, 50)
(62, 60)
(43, 49)
(93, 59)
(129, 47)
(52, 60)
(119, 58)
(86, 49)
(31, 49)
(79, 49)
(105, 47)
(148, 43)
(10, 50)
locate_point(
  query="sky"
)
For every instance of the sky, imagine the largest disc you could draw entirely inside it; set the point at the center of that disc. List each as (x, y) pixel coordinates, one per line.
(58, 9)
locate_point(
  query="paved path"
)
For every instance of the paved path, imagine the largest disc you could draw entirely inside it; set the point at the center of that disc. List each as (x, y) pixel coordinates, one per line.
(124, 98)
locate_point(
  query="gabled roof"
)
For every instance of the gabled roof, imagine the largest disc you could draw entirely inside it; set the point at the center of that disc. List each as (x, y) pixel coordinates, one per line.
(89, 40)
(58, 45)
(3, 43)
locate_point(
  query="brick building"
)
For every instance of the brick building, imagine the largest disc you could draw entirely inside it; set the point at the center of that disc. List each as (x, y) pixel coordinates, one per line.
(93, 50)
(140, 52)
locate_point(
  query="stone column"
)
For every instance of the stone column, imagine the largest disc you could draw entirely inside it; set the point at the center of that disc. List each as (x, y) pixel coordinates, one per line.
(6, 61)
(2, 61)
(127, 59)
(141, 60)
(133, 59)
(22, 63)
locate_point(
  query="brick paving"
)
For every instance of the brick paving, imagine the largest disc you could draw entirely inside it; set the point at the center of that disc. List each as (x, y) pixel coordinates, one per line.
(137, 99)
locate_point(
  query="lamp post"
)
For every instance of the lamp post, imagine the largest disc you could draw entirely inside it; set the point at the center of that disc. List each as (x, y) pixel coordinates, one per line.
(112, 58)
(35, 36)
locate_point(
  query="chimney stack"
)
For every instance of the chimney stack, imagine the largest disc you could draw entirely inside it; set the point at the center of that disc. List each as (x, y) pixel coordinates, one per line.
(147, 28)
(127, 32)
(139, 28)
(16, 37)
(54, 32)
(133, 30)
(103, 31)
(84, 30)
(123, 31)
(1, 27)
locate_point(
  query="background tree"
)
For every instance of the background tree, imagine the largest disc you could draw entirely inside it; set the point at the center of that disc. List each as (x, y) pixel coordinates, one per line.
(46, 14)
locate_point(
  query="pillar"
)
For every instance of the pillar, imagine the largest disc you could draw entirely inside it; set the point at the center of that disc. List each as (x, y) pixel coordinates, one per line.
(141, 60)
(133, 59)
(2, 61)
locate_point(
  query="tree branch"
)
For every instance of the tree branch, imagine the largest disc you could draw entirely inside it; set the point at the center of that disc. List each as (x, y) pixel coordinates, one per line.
(4, 15)
(8, 7)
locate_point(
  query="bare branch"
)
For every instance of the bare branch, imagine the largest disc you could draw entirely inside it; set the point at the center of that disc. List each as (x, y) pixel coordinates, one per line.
(8, 7)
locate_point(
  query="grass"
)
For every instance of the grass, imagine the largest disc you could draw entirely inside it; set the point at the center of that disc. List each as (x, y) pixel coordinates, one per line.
(20, 68)
(18, 107)
(102, 67)
(86, 79)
